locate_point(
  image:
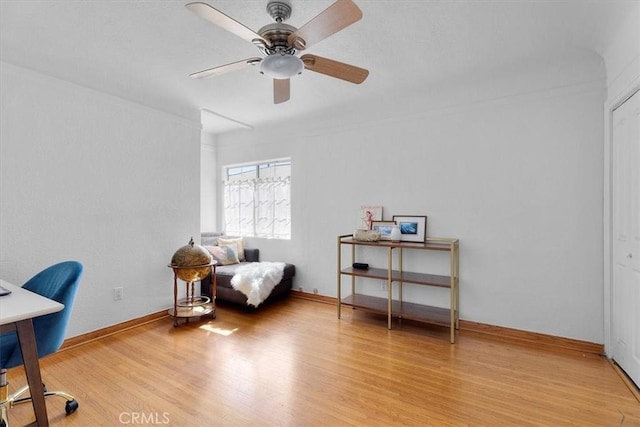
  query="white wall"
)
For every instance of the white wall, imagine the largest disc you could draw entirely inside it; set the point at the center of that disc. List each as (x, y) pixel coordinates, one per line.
(98, 179)
(513, 168)
(622, 55)
(208, 183)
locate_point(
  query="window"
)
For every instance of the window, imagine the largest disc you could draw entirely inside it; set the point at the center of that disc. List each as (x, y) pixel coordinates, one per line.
(257, 200)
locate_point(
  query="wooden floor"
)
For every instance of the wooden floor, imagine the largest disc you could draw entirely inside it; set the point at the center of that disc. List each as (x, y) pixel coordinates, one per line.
(295, 364)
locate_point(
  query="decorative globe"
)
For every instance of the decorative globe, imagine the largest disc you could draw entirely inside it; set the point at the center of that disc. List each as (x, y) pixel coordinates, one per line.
(191, 262)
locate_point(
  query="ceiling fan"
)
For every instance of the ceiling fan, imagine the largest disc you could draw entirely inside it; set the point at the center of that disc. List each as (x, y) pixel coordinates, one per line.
(280, 43)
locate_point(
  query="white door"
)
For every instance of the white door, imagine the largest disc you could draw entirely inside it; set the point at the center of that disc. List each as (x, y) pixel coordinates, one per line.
(625, 309)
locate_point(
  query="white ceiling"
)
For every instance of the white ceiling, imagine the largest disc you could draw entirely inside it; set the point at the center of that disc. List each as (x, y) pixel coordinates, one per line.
(144, 50)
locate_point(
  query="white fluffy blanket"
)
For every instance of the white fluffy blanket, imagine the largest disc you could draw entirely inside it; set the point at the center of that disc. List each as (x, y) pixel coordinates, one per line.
(257, 279)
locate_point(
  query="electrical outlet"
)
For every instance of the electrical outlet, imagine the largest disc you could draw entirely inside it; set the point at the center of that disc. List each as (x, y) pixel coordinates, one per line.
(118, 293)
(315, 291)
(383, 286)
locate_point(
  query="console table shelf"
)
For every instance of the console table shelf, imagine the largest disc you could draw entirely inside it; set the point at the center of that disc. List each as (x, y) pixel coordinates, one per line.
(401, 276)
(397, 307)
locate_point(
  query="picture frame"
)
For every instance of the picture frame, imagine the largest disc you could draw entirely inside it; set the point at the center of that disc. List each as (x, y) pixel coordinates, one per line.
(413, 228)
(368, 214)
(384, 228)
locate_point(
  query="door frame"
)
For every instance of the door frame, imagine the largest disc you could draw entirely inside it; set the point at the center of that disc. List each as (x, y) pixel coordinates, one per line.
(610, 105)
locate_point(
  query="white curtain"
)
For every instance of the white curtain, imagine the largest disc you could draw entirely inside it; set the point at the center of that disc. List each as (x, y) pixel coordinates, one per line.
(258, 208)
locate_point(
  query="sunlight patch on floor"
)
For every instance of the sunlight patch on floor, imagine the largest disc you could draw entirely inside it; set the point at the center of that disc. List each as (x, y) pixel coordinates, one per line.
(219, 331)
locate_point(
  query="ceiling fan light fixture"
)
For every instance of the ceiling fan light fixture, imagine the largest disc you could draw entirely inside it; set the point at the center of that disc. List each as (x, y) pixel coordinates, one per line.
(281, 66)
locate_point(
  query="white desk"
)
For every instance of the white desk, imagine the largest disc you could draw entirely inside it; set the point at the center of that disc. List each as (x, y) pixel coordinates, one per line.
(17, 311)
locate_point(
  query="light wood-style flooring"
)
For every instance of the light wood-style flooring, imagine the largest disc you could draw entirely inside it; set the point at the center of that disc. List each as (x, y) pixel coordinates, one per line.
(294, 363)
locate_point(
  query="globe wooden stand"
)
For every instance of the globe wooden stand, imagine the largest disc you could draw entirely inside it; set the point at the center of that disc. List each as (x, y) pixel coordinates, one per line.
(192, 305)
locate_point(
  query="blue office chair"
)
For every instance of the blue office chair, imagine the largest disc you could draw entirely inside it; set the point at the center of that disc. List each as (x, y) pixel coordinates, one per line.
(59, 283)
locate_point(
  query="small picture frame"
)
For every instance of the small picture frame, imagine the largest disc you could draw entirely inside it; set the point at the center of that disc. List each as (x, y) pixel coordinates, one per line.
(413, 228)
(368, 214)
(384, 228)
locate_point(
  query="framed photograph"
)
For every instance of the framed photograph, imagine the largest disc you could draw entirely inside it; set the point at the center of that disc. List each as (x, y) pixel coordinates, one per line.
(368, 214)
(384, 228)
(413, 228)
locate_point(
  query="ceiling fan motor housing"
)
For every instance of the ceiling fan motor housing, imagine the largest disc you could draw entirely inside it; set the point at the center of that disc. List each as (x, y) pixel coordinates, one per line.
(277, 34)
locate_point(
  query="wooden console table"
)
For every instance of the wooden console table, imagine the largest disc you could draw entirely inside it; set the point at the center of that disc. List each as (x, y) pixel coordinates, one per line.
(397, 307)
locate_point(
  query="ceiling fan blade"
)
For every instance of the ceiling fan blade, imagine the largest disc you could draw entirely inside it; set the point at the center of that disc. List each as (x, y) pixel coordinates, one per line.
(213, 15)
(281, 90)
(336, 17)
(336, 69)
(216, 71)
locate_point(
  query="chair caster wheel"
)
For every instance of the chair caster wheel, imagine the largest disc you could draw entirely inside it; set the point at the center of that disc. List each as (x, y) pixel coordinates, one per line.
(71, 406)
